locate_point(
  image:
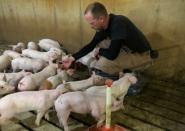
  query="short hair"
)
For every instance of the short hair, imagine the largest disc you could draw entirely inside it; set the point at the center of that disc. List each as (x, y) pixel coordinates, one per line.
(97, 9)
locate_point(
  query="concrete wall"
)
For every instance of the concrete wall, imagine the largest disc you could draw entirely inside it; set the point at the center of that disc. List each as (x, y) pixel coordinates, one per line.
(162, 21)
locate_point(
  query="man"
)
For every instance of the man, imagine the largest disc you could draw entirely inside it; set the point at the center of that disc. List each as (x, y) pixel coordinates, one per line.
(127, 49)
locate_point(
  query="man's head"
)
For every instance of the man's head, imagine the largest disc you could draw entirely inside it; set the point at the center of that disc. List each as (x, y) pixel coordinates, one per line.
(96, 15)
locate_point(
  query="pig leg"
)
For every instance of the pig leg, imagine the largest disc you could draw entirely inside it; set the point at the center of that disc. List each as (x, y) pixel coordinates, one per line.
(46, 116)
(63, 117)
(4, 120)
(14, 69)
(96, 113)
(34, 70)
(40, 114)
(101, 119)
(63, 112)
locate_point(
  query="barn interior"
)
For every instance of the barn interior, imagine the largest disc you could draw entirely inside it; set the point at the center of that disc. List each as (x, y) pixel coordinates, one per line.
(158, 107)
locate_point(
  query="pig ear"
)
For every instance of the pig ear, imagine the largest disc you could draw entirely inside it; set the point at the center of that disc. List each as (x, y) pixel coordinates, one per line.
(121, 74)
(63, 54)
(4, 78)
(63, 81)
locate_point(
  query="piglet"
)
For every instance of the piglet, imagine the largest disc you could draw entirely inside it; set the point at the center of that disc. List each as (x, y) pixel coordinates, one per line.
(5, 62)
(14, 78)
(33, 81)
(47, 44)
(83, 84)
(19, 47)
(24, 63)
(32, 45)
(92, 101)
(53, 81)
(83, 103)
(89, 58)
(49, 56)
(39, 101)
(12, 53)
(5, 88)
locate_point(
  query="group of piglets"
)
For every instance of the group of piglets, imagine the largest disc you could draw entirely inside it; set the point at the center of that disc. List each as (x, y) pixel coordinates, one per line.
(32, 80)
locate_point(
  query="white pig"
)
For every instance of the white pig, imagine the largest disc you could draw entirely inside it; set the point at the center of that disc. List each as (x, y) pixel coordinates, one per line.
(83, 84)
(5, 88)
(19, 47)
(29, 64)
(83, 103)
(14, 78)
(92, 101)
(5, 62)
(32, 45)
(88, 59)
(33, 81)
(47, 44)
(46, 56)
(119, 87)
(39, 101)
(53, 81)
(12, 53)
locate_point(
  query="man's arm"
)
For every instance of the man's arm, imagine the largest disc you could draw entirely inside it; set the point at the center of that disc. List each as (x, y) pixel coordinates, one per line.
(113, 51)
(68, 60)
(99, 36)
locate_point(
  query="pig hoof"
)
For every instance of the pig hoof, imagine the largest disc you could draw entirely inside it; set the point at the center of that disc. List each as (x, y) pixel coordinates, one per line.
(46, 117)
(99, 125)
(37, 123)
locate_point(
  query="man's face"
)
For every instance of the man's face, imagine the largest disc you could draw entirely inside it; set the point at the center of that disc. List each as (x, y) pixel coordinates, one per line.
(95, 23)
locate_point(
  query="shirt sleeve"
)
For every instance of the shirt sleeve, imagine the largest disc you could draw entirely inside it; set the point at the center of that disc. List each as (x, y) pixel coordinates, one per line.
(113, 51)
(99, 36)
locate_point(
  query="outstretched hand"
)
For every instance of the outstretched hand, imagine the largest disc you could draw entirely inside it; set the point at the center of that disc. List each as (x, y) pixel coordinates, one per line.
(96, 53)
(67, 61)
(66, 64)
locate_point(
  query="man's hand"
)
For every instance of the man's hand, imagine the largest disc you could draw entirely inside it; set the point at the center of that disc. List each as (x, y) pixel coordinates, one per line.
(96, 53)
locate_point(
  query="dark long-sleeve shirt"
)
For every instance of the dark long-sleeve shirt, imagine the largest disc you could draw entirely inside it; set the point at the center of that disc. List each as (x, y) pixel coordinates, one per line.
(122, 32)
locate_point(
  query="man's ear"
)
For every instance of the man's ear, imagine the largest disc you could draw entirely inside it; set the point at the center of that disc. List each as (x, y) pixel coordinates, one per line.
(102, 18)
